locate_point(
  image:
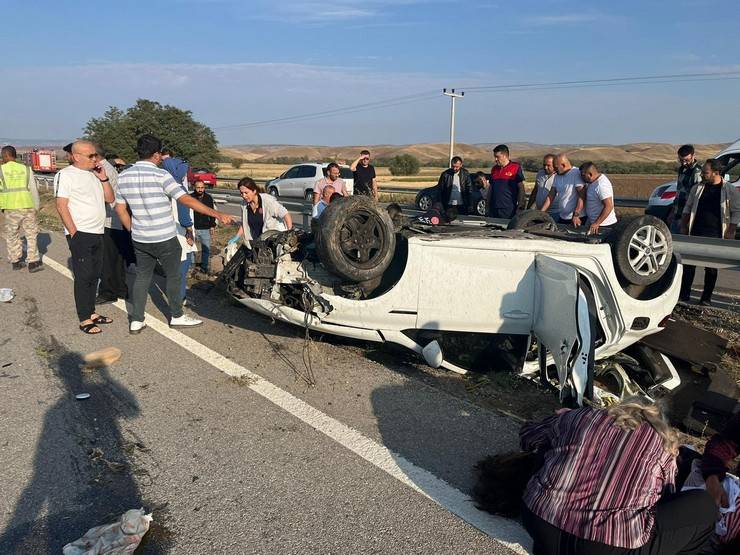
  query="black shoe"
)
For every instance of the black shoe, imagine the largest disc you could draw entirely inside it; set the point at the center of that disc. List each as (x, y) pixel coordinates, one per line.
(35, 266)
(705, 302)
(100, 299)
(19, 265)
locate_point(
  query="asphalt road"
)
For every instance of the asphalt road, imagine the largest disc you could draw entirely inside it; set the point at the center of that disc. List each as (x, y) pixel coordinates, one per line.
(369, 460)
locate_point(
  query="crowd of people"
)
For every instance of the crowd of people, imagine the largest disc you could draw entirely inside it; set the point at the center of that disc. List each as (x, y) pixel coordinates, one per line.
(705, 205)
(146, 215)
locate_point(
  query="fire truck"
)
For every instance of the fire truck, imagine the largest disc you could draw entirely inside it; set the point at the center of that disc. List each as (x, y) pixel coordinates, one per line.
(41, 161)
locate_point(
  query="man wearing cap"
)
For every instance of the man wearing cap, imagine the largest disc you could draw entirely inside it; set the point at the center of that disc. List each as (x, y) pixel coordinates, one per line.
(19, 199)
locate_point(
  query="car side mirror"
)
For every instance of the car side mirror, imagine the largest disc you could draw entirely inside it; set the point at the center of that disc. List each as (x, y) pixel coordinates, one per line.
(432, 354)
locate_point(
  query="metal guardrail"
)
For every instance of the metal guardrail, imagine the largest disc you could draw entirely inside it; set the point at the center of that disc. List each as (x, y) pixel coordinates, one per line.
(697, 251)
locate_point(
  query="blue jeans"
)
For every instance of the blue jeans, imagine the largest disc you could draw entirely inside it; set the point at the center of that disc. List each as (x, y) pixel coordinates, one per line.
(184, 267)
(204, 236)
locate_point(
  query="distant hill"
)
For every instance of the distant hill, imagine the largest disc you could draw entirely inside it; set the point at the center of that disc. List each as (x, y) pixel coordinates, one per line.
(425, 152)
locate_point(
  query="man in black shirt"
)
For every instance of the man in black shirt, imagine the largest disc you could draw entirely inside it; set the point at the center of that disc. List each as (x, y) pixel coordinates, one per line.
(707, 222)
(204, 225)
(364, 176)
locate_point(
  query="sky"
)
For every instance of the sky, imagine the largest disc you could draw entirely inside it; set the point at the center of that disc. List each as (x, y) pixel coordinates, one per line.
(239, 62)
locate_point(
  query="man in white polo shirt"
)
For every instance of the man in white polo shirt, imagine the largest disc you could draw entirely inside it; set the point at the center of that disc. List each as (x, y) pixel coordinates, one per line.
(148, 191)
(82, 190)
(600, 214)
(566, 192)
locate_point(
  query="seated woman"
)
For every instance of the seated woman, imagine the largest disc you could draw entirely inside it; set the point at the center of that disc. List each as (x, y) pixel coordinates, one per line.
(260, 212)
(601, 486)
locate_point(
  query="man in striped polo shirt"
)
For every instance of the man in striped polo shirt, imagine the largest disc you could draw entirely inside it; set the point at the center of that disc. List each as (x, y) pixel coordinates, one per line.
(148, 191)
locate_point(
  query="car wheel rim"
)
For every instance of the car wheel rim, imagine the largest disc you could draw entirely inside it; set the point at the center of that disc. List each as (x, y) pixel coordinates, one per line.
(482, 208)
(648, 250)
(363, 238)
(273, 192)
(425, 202)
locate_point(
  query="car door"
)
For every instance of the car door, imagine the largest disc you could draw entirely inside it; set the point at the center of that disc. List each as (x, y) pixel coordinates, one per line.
(476, 288)
(286, 185)
(307, 177)
(562, 326)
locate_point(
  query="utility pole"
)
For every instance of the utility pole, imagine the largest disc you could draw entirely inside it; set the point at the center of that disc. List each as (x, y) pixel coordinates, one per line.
(453, 96)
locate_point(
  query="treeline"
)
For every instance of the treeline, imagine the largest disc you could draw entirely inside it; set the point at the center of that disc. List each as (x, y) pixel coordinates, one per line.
(528, 163)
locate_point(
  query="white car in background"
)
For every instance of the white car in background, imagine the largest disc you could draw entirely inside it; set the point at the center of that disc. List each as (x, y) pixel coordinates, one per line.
(298, 180)
(661, 199)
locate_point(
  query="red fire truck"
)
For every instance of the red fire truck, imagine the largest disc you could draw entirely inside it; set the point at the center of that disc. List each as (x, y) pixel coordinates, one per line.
(41, 161)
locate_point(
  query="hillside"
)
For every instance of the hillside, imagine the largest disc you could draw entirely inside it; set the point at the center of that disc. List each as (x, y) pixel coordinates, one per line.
(637, 152)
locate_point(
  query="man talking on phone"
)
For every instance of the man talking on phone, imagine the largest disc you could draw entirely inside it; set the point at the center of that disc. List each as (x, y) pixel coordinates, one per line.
(363, 173)
(82, 190)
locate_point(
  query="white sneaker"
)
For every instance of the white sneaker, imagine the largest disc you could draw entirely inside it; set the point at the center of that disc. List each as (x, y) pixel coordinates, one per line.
(185, 321)
(136, 327)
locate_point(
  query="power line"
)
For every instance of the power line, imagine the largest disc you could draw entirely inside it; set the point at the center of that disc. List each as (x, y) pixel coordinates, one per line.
(640, 80)
(536, 86)
(336, 111)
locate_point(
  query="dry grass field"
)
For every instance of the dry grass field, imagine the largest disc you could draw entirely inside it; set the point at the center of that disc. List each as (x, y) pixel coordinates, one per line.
(625, 185)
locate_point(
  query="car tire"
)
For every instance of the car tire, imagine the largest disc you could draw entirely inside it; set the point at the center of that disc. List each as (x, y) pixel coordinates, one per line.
(274, 192)
(424, 202)
(356, 240)
(642, 249)
(531, 218)
(308, 195)
(481, 207)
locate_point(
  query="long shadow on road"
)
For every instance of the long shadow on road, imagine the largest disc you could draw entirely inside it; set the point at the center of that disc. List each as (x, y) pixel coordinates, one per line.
(83, 473)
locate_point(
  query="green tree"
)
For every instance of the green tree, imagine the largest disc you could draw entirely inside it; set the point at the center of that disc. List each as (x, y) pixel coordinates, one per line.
(404, 164)
(236, 163)
(116, 131)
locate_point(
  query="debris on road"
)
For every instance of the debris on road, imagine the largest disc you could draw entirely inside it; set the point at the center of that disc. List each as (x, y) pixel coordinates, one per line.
(6, 295)
(82, 396)
(102, 358)
(117, 538)
(686, 341)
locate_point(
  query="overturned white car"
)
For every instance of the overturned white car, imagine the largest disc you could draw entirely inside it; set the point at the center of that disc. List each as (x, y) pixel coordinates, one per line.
(472, 297)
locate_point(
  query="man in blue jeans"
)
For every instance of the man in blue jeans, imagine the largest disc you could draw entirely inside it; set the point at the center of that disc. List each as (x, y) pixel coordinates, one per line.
(148, 190)
(204, 225)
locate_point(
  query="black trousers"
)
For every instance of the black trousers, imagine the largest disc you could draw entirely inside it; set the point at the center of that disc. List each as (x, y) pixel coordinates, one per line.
(113, 280)
(710, 280)
(684, 524)
(87, 265)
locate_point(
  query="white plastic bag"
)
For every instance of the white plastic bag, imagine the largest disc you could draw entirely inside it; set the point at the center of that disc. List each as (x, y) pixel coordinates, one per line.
(117, 538)
(6, 295)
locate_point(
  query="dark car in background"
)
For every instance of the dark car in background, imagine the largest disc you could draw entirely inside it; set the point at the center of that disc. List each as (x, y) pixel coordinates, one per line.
(476, 207)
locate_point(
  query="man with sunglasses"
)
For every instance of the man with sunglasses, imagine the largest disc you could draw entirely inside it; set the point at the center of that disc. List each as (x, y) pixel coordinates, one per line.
(82, 189)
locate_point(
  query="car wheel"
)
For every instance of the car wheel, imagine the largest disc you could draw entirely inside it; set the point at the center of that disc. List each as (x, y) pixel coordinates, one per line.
(642, 249)
(309, 195)
(274, 192)
(531, 218)
(480, 207)
(424, 202)
(356, 240)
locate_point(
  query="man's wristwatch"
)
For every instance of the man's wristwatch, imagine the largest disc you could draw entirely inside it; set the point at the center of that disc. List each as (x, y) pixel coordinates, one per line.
(104, 180)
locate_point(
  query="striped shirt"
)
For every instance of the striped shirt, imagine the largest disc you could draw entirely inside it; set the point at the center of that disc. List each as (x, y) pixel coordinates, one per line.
(148, 191)
(598, 481)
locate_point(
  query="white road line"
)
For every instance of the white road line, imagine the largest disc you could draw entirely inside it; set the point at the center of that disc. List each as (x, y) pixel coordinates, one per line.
(505, 531)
